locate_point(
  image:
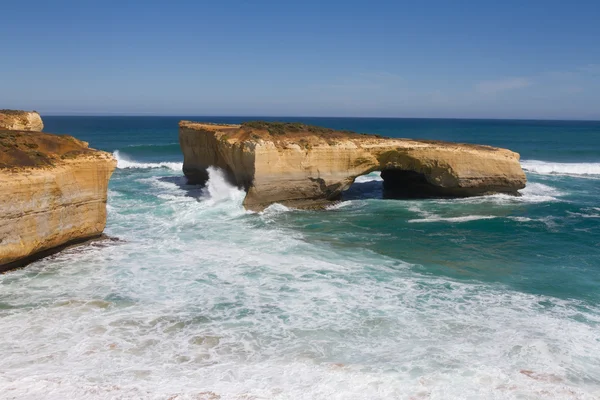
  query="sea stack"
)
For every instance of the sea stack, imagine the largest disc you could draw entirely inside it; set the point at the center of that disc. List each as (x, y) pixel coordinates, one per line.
(304, 166)
(53, 190)
(16, 120)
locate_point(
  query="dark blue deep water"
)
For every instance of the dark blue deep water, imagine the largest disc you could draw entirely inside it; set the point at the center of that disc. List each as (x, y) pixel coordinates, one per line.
(490, 297)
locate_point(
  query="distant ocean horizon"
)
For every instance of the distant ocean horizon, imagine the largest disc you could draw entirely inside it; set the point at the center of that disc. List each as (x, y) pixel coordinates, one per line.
(291, 117)
(485, 297)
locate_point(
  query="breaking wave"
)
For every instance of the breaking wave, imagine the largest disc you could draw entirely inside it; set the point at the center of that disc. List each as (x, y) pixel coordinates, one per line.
(373, 176)
(218, 190)
(123, 162)
(553, 168)
(466, 218)
(536, 192)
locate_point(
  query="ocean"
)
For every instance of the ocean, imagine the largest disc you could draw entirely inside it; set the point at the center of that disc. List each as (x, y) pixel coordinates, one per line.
(493, 297)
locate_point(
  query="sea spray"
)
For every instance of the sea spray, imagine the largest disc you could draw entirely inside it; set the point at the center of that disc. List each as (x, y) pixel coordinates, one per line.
(218, 189)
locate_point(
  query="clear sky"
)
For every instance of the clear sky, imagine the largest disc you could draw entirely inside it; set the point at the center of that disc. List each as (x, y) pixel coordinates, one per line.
(479, 59)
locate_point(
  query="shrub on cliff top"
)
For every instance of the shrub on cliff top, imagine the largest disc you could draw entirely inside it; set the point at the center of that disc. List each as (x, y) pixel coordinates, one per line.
(282, 128)
(12, 112)
(274, 128)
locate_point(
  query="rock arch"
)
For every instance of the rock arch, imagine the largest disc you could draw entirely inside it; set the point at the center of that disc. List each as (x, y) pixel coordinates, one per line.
(309, 167)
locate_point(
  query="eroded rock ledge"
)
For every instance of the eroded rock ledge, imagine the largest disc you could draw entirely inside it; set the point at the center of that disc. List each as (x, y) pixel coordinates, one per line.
(53, 192)
(306, 167)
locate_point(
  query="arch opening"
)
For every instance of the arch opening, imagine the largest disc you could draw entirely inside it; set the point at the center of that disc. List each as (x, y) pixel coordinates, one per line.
(395, 183)
(366, 186)
(407, 184)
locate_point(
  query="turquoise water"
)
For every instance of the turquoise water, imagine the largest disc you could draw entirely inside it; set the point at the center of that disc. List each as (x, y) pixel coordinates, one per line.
(491, 297)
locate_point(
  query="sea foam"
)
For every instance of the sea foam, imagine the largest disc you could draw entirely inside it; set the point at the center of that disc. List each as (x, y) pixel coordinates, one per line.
(554, 168)
(465, 218)
(218, 189)
(371, 177)
(203, 301)
(123, 161)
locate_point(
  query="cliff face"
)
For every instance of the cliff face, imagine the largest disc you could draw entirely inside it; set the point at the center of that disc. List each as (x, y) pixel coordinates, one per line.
(306, 167)
(52, 193)
(14, 120)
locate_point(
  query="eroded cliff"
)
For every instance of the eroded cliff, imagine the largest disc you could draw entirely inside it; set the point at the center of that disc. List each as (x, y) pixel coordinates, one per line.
(304, 166)
(53, 192)
(21, 120)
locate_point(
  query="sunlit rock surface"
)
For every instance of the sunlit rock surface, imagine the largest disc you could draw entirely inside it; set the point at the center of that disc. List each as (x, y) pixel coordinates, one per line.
(309, 167)
(53, 192)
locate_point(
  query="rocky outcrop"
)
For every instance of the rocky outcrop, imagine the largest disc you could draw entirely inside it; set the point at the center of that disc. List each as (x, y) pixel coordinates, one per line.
(53, 194)
(14, 120)
(304, 166)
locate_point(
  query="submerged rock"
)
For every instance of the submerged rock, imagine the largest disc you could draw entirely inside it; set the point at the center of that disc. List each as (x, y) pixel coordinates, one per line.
(306, 167)
(53, 194)
(21, 120)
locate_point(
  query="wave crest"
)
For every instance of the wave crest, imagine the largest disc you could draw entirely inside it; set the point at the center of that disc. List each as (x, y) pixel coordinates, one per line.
(554, 168)
(465, 218)
(124, 162)
(372, 177)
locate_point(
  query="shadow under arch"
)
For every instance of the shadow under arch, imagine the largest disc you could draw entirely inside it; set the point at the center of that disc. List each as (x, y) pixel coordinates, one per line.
(395, 183)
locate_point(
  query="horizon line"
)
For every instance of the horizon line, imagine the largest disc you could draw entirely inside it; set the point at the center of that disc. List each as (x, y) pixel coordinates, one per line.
(312, 116)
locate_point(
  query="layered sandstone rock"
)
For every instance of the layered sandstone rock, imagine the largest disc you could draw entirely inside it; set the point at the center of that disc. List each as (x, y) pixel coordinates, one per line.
(303, 166)
(52, 194)
(15, 120)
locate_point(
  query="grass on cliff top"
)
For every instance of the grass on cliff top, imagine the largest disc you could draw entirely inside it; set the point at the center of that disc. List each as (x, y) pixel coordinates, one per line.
(15, 152)
(285, 128)
(36, 149)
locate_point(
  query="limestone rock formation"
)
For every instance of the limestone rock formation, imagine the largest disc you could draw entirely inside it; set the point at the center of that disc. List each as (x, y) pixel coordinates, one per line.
(52, 194)
(14, 120)
(306, 167)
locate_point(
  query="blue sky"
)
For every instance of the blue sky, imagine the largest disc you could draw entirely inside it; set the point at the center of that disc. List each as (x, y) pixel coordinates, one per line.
(484, 59)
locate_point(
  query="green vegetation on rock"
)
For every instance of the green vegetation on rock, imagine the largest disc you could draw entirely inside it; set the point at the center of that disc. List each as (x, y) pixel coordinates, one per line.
(283, 128)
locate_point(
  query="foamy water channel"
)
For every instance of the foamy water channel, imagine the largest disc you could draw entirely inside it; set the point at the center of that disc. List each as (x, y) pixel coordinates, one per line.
(203, 300)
